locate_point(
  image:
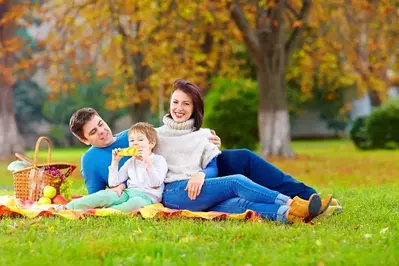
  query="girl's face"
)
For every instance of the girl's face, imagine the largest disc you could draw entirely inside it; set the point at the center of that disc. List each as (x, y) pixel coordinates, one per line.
(181, 106)
(140, 140)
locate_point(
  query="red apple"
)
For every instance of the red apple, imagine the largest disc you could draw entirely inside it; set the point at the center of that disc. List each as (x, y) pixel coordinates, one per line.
(60, 199)
(76, 196)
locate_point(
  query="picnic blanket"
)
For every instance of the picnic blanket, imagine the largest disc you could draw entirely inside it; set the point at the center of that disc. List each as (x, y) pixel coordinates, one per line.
(11, 206)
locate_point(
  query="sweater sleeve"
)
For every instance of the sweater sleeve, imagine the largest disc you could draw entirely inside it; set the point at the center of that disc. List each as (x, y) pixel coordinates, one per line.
(116, 177)
(211, 170)
(157, 173)
(92, 178)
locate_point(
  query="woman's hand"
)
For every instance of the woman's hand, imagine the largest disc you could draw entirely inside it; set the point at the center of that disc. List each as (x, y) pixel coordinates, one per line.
(115, 157)
(194, 185)
(215, 139)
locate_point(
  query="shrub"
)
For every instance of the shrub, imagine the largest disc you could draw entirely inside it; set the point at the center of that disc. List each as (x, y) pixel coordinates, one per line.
(358, 134)
(382, 126)
(231, 109)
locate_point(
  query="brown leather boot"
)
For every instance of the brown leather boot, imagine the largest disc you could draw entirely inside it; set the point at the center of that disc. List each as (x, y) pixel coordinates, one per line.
(307, 209)
(294, 219)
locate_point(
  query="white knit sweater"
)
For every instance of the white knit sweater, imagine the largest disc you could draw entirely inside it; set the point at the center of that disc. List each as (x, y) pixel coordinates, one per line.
(186, 151)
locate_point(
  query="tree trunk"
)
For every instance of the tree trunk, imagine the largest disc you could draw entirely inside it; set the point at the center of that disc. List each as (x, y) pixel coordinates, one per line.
(10, 141)
(140, 112)
(273, 117)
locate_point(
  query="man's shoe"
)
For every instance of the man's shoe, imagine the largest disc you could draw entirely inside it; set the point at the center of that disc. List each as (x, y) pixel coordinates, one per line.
(335, 202)
(332, 210)
(325, 203)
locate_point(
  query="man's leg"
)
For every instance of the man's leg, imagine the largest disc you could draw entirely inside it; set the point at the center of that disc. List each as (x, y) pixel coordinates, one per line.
(254, 167)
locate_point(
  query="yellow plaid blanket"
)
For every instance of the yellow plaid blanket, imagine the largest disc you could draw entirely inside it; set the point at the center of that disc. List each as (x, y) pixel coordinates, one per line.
(11, 206)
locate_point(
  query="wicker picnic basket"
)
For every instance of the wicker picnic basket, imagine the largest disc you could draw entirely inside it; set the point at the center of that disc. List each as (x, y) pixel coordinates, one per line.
(29, 182)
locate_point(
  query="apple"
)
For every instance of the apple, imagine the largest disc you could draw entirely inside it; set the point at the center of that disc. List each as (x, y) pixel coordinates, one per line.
(76, 196)
(44, 200)
(49, 192)
(60, 199)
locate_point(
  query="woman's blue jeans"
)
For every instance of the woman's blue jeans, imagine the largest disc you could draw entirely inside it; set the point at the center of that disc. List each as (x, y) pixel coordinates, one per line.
(251, 165)
(231, 194)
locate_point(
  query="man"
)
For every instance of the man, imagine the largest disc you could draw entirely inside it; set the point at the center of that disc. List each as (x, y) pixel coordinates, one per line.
(87, 125)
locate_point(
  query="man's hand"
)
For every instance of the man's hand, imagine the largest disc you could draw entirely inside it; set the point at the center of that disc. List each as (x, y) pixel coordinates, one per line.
(215, 139)
(119, 189)
(194, 185)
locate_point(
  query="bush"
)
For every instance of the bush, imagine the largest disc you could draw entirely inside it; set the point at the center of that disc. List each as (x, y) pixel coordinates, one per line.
(382, 126)
(231, 109)
(358, 134)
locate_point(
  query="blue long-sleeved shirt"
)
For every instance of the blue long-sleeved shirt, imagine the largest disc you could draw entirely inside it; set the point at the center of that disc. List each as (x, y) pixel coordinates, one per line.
(211, 170)
(95, 162)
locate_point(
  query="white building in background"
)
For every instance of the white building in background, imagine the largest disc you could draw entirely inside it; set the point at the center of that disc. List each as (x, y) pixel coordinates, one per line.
(309, 125)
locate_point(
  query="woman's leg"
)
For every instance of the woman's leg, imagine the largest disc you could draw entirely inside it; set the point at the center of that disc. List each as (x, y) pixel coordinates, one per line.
(217, 190)
(136, 200)
(254, 167)
(273, 212)
(103, 198)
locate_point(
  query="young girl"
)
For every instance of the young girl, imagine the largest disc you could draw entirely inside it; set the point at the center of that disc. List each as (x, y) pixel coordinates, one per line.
(145, 175)
(191, 181)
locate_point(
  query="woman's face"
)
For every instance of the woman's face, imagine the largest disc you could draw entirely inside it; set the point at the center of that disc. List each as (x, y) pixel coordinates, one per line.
(181, 106)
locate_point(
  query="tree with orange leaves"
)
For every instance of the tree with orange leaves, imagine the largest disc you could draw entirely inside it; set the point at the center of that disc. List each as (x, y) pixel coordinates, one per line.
(350, 44)
(141, 46)
(10, 142)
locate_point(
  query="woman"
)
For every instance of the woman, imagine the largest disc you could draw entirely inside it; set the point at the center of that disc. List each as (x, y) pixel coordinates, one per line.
(191, 181)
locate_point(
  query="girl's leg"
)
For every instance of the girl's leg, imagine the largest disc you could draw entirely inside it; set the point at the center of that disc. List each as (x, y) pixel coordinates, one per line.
(251, 165)
(217, 190)
(273, 212)
(136, 200)
(103, 198)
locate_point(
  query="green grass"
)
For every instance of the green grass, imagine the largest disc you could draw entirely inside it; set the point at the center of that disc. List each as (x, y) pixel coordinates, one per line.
(365, 182)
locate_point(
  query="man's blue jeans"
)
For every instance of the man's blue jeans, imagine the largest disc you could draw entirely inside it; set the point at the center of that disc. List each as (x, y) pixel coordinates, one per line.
(231, 194)
(251, 165)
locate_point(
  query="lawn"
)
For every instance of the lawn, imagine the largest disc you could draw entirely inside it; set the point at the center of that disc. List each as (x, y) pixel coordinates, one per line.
(366, 233)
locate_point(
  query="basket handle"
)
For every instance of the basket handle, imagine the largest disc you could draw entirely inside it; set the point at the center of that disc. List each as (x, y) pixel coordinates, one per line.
(23, 158)
(37, 150)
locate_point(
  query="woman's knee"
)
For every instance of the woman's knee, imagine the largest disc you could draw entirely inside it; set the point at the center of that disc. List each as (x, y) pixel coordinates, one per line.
(239, 179)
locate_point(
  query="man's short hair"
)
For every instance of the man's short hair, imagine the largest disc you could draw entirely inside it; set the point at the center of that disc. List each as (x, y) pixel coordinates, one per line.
(79, 119)
(146, 129)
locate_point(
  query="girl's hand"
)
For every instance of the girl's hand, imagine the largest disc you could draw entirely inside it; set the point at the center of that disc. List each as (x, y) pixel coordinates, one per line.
(119, 189)
(115, 157)
(194, 185)
(143, 154)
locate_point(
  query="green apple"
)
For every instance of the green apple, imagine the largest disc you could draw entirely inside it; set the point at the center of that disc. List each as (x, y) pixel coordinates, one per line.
(44, 200)
(49, 192)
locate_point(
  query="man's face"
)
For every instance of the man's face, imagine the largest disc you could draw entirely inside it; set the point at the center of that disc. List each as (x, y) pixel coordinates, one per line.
(97, 133)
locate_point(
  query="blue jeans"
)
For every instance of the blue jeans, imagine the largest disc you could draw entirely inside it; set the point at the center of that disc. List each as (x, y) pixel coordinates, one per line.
(231, 194)
(251, 165)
